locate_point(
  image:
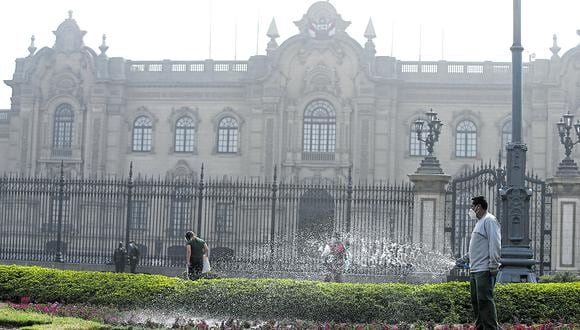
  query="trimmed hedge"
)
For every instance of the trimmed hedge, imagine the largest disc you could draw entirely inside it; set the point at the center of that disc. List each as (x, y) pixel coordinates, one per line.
(276, 298)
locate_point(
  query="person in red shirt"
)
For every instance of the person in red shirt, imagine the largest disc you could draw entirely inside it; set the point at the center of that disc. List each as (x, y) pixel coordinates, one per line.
(334, 255)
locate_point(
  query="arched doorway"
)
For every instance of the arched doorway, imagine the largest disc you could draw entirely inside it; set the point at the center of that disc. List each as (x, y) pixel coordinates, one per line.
(316, 215)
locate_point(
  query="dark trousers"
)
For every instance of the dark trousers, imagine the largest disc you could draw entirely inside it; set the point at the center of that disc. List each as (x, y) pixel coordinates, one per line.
(120, 267)
(194, 270)
(133, 265)
(334, 272)
(482, 285)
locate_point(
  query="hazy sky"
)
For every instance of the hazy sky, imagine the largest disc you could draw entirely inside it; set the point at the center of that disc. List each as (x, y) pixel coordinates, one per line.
(180, 30)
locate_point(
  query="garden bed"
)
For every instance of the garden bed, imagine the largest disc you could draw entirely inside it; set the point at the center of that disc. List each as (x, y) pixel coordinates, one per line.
(278, 299)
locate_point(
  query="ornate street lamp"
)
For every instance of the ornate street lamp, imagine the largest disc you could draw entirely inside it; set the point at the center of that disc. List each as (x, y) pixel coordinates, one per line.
(517, 259)
(430, 164)
(568, 166)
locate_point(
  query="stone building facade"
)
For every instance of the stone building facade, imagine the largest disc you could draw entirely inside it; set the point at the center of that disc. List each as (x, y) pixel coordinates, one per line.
(314, 105)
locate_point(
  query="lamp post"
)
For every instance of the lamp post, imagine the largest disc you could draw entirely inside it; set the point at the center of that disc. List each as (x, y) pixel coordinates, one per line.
(516, 256)
(567, 166)
(58, 257)
(430, 164)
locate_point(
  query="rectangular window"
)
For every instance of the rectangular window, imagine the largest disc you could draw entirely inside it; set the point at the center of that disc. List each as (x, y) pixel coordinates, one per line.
(227, 140)
(466, 145)
(416, 147)
(62, 135)
(184, 140)
(142, 138)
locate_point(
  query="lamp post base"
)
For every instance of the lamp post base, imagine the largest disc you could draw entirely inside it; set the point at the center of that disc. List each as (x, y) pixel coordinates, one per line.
(430, 165)
(516, 275)
(567, 168)
(516, 265)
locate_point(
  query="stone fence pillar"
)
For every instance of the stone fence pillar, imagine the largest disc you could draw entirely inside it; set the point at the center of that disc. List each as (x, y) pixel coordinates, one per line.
(429, 210)
(565, 223)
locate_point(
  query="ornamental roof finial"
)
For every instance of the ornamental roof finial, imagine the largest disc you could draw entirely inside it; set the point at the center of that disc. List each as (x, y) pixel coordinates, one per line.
(273, 34)
(555, 48)
(31, 48)
(370, 35)
(103, 47)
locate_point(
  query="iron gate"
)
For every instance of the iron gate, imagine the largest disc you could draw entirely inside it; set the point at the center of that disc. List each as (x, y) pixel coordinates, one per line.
(486, 180)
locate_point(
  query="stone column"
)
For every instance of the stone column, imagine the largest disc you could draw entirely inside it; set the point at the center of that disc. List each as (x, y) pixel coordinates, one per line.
(429, 210)
(565, 223)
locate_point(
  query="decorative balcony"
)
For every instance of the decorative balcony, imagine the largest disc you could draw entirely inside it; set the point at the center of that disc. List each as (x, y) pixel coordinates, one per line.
(61, 153)
(443, 71)
(318, 156)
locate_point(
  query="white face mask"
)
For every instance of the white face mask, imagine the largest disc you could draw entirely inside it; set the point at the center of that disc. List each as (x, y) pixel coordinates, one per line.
(472, 214)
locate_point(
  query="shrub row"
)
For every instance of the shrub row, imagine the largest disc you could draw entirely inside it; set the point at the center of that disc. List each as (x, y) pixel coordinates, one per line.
(291, 299)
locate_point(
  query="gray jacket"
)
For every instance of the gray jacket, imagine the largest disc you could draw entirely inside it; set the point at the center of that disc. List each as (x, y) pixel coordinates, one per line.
(484, 245)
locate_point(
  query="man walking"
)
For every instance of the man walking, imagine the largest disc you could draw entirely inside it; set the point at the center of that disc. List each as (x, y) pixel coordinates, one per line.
(483, 255)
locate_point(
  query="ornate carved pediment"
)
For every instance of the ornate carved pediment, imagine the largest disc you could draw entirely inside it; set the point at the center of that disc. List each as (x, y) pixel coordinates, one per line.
(181, 171)
(64, 84)
(177, 113)
(321, 78)
(333, 47)
(69, 37)
(321, 22)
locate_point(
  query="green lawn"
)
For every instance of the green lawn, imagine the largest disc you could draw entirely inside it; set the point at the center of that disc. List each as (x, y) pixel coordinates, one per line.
(11, 318)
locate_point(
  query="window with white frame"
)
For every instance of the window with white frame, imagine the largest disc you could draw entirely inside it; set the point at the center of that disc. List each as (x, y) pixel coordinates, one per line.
(184, 135)
(227, 135)
(466, 139)
(416, 147)
(63, 125)
(319, 127)
(142, 134)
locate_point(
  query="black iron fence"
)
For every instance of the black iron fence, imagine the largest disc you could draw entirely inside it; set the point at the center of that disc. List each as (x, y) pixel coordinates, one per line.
(248, 223)
(486, 180)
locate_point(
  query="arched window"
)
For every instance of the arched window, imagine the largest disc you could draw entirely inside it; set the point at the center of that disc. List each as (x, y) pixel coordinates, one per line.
(227, 135)
(416, 147)
(63, 124)
(142, 134)
(466, 139)
(319, 127)
(184, 135)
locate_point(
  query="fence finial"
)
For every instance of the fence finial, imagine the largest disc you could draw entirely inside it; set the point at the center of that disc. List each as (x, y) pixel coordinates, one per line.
(350, 175)
(130, 170)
